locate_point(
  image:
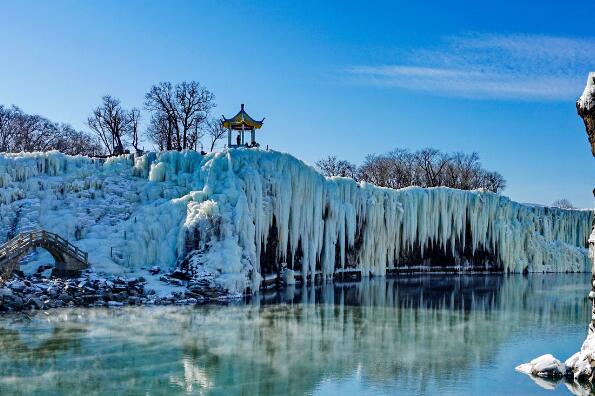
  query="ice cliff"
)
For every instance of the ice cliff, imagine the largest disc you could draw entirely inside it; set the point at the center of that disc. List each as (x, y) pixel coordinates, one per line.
(236, 216)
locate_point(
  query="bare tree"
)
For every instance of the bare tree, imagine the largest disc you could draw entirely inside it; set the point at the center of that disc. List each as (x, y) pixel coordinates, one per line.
(431, 162)
(491, 181)
(330, 166)
(75, 142)
(133, 126)
(7, 129)
(160, 101)
(462, 171)
(563, 204)
(178, 113)
(33, 133)
(377, 169)
(111, 124)
(160, 131)
(215, 131)
(194, 136)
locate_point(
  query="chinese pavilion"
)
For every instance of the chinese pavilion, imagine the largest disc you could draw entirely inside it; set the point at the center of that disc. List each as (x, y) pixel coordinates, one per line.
(241, 123)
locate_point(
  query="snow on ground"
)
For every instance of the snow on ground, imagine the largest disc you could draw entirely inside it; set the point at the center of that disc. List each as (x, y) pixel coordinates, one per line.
(131, 213)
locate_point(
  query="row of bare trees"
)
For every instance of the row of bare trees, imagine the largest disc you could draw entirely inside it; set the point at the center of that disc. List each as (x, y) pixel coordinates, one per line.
(20, 131)
(427, 167)
(179, 119)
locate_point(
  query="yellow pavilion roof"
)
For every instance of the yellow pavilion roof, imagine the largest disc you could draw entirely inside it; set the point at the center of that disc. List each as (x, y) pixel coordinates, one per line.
(241, 119)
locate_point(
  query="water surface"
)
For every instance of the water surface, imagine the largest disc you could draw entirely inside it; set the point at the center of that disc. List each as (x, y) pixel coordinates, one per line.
(448, 335)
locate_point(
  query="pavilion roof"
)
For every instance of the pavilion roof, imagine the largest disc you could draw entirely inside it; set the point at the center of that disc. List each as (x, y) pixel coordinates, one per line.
(241, 119)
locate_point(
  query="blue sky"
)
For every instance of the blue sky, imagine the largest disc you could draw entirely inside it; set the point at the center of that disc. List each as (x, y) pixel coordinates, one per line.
(342, 78)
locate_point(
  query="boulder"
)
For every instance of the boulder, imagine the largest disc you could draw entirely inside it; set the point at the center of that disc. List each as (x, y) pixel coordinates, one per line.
(35, 302)
(154, 270)
(545, 366)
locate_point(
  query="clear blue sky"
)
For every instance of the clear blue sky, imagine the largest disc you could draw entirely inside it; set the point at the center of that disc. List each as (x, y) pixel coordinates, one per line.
(342, 78)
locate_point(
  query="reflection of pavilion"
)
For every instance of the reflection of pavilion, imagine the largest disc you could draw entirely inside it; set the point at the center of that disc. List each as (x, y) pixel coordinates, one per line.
(241, 123)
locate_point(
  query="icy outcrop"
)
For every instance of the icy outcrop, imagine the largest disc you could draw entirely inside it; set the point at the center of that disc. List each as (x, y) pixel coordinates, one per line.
(580, 365)
(235, 216)
(585, 107)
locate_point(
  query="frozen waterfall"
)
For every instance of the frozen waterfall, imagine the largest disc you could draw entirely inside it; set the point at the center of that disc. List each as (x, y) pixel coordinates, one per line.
(238, 215)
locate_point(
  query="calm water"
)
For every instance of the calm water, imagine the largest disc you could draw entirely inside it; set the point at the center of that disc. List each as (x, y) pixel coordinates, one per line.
(412, 335)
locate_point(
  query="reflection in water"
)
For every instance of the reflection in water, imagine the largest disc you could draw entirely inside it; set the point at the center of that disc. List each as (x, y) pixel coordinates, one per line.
(46, 346)
(418, 334)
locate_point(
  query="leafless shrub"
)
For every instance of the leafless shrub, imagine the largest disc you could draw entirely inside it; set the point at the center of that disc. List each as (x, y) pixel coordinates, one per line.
(330, 166)
(563, 204)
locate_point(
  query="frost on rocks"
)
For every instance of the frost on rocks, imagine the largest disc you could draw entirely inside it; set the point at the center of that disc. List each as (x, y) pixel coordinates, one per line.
(232, 217)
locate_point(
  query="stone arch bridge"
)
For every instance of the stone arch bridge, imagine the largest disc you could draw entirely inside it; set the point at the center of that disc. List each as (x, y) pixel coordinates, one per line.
(69, 258)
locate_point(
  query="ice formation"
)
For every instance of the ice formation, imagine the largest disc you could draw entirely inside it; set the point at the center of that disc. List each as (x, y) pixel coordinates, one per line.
(587, 99)
(238, 215)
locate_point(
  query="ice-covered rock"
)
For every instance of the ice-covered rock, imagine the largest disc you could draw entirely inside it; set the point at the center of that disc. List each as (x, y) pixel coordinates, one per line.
(585, 107)
(545, 366)
(580, 365)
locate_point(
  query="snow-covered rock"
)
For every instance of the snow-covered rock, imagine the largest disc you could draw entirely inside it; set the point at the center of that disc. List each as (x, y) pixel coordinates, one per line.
(545, 366)
(585, 108)
(232, 217)
(587, 99)
(582, 362)
(579, 367)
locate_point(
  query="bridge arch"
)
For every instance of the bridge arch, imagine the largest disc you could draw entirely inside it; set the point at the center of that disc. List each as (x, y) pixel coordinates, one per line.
(68, 258)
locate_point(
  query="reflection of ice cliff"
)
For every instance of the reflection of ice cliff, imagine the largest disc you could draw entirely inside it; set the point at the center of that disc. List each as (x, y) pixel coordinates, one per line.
(403, 333)
(236, 215)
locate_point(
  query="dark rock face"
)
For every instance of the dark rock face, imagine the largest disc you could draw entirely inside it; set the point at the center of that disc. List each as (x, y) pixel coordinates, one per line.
(588, 117)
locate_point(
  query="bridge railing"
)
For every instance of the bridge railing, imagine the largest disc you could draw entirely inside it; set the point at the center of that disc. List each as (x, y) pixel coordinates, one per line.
(23, 241)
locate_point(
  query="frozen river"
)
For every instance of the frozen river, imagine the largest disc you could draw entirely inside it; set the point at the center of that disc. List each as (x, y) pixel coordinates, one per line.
(447, 335)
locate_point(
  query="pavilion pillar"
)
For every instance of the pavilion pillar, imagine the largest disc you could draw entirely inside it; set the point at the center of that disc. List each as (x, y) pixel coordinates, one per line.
(228, 137)
(253, 137)
(242, 134)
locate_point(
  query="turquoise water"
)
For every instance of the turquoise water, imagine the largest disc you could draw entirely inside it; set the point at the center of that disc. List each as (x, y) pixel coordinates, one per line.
(447, 335)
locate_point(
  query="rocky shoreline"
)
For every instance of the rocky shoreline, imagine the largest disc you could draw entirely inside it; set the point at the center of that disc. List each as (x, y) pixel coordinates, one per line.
(576, 372)
(38, 292)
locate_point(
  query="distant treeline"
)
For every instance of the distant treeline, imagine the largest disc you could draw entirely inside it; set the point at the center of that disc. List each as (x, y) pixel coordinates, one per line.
(179, 118)
(425, 168)
(25, 132)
